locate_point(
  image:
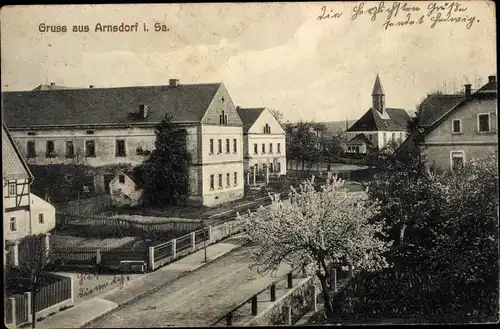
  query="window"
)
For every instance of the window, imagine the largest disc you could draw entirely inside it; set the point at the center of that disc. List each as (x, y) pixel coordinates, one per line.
(227, 146)
(278, 167)
(220, 180)
(121, 179)
(457, 160)
(401, 137)
(385, 138)
(70, 149)
(271, 167)
(270, 148)
(13, 224)
(255, 151)
(456, 126)
(278, 148)
(90, 149)
(49, 149)
(120, 148)
(30, 147)
(220, 146)
(68, 177)
(235, 178)
(483, 122)
(12, 189)
(234, 146)
(212, 182)
(211, 146)
(40, 218)
(393, 137)
(228, 180)
(223, 118)
(267, 129)
(263, 148)
(370, 137)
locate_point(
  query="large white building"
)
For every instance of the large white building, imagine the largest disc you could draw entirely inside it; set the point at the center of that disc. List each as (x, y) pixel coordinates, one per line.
(117, 125)
(263, 144)
(378, 126)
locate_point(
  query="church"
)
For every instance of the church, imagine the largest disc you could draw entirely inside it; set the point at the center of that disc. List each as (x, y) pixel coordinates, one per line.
(378, 126)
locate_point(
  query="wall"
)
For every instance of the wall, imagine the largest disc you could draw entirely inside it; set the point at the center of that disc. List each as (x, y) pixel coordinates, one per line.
(105, 141)
(124, 193)
(40, 206)
(441, 141)
(212, 197)
(23, 220)
(87, 206)
(23, 190)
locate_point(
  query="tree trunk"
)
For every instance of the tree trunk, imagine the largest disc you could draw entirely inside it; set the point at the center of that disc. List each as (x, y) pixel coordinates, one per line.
(326, 294)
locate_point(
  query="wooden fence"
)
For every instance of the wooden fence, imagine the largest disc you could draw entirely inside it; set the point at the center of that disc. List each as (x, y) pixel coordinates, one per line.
(105, 227)
(18, 306)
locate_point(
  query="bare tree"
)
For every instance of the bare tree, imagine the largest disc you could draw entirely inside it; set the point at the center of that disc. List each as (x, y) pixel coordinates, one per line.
(31, 274)
(278, 115)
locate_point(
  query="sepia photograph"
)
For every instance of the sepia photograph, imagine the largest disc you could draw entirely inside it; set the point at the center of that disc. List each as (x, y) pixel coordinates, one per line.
(250, 164)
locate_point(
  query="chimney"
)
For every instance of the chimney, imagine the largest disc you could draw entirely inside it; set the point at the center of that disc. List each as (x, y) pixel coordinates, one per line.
(91, 86)
(173, 82)
(467, 91)
(492, 79)
(143, 111)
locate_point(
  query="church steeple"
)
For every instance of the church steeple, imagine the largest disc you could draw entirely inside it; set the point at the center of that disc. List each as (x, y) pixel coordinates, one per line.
(378, 96)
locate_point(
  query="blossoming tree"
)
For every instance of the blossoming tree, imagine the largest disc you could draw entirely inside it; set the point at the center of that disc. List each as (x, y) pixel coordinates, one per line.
(315, 228)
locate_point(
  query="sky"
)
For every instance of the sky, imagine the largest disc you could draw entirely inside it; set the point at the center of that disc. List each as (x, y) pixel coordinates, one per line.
(277, 55)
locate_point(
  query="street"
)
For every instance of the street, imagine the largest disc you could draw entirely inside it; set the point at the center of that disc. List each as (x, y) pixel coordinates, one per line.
(199, 298)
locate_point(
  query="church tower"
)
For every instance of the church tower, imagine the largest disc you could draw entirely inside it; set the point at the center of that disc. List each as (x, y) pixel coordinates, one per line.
(378, 96)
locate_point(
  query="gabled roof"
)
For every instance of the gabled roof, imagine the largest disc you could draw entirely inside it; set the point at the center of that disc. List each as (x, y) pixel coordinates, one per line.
(489, 87)
(435, 106)
(373, 121)
(134, 177)
(13, 164)
(377, 87)
(360, 139)
(249, 116)
(99, 106)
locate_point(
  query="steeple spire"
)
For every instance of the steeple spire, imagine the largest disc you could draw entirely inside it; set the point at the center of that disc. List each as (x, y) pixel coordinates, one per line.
(378, 96)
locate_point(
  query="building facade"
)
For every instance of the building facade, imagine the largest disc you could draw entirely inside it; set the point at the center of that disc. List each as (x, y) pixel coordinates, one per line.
(109, 126)
(379, 125)
(126, 189)
(24, 213)
(464, 131)
(264, 142)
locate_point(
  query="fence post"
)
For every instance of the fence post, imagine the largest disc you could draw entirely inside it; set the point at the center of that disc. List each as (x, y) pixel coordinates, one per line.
(333, 278)
(315, 298)
(254, 305)
(193, 241)
(72, 290)
(290, 280)
(151, 259)
(174, 248)
(210, 234)
(13, 306)
(273, 292)
(27, 297)
(229, 319)
(98, 256)
(288, 315)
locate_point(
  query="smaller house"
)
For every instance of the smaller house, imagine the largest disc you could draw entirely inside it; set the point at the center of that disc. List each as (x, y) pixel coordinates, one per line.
(126, 189)
(360, 144)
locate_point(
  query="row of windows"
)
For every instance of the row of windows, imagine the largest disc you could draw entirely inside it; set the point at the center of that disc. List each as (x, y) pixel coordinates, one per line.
(13, 222)
(228, 146)
(393, 137)
(90, 149)
(273, 167)
(220, 181)
(483, 124)
(256, 148)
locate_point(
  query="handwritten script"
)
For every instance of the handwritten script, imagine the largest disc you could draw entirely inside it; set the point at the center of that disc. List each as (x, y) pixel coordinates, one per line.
(400, 14)
(83, 277)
